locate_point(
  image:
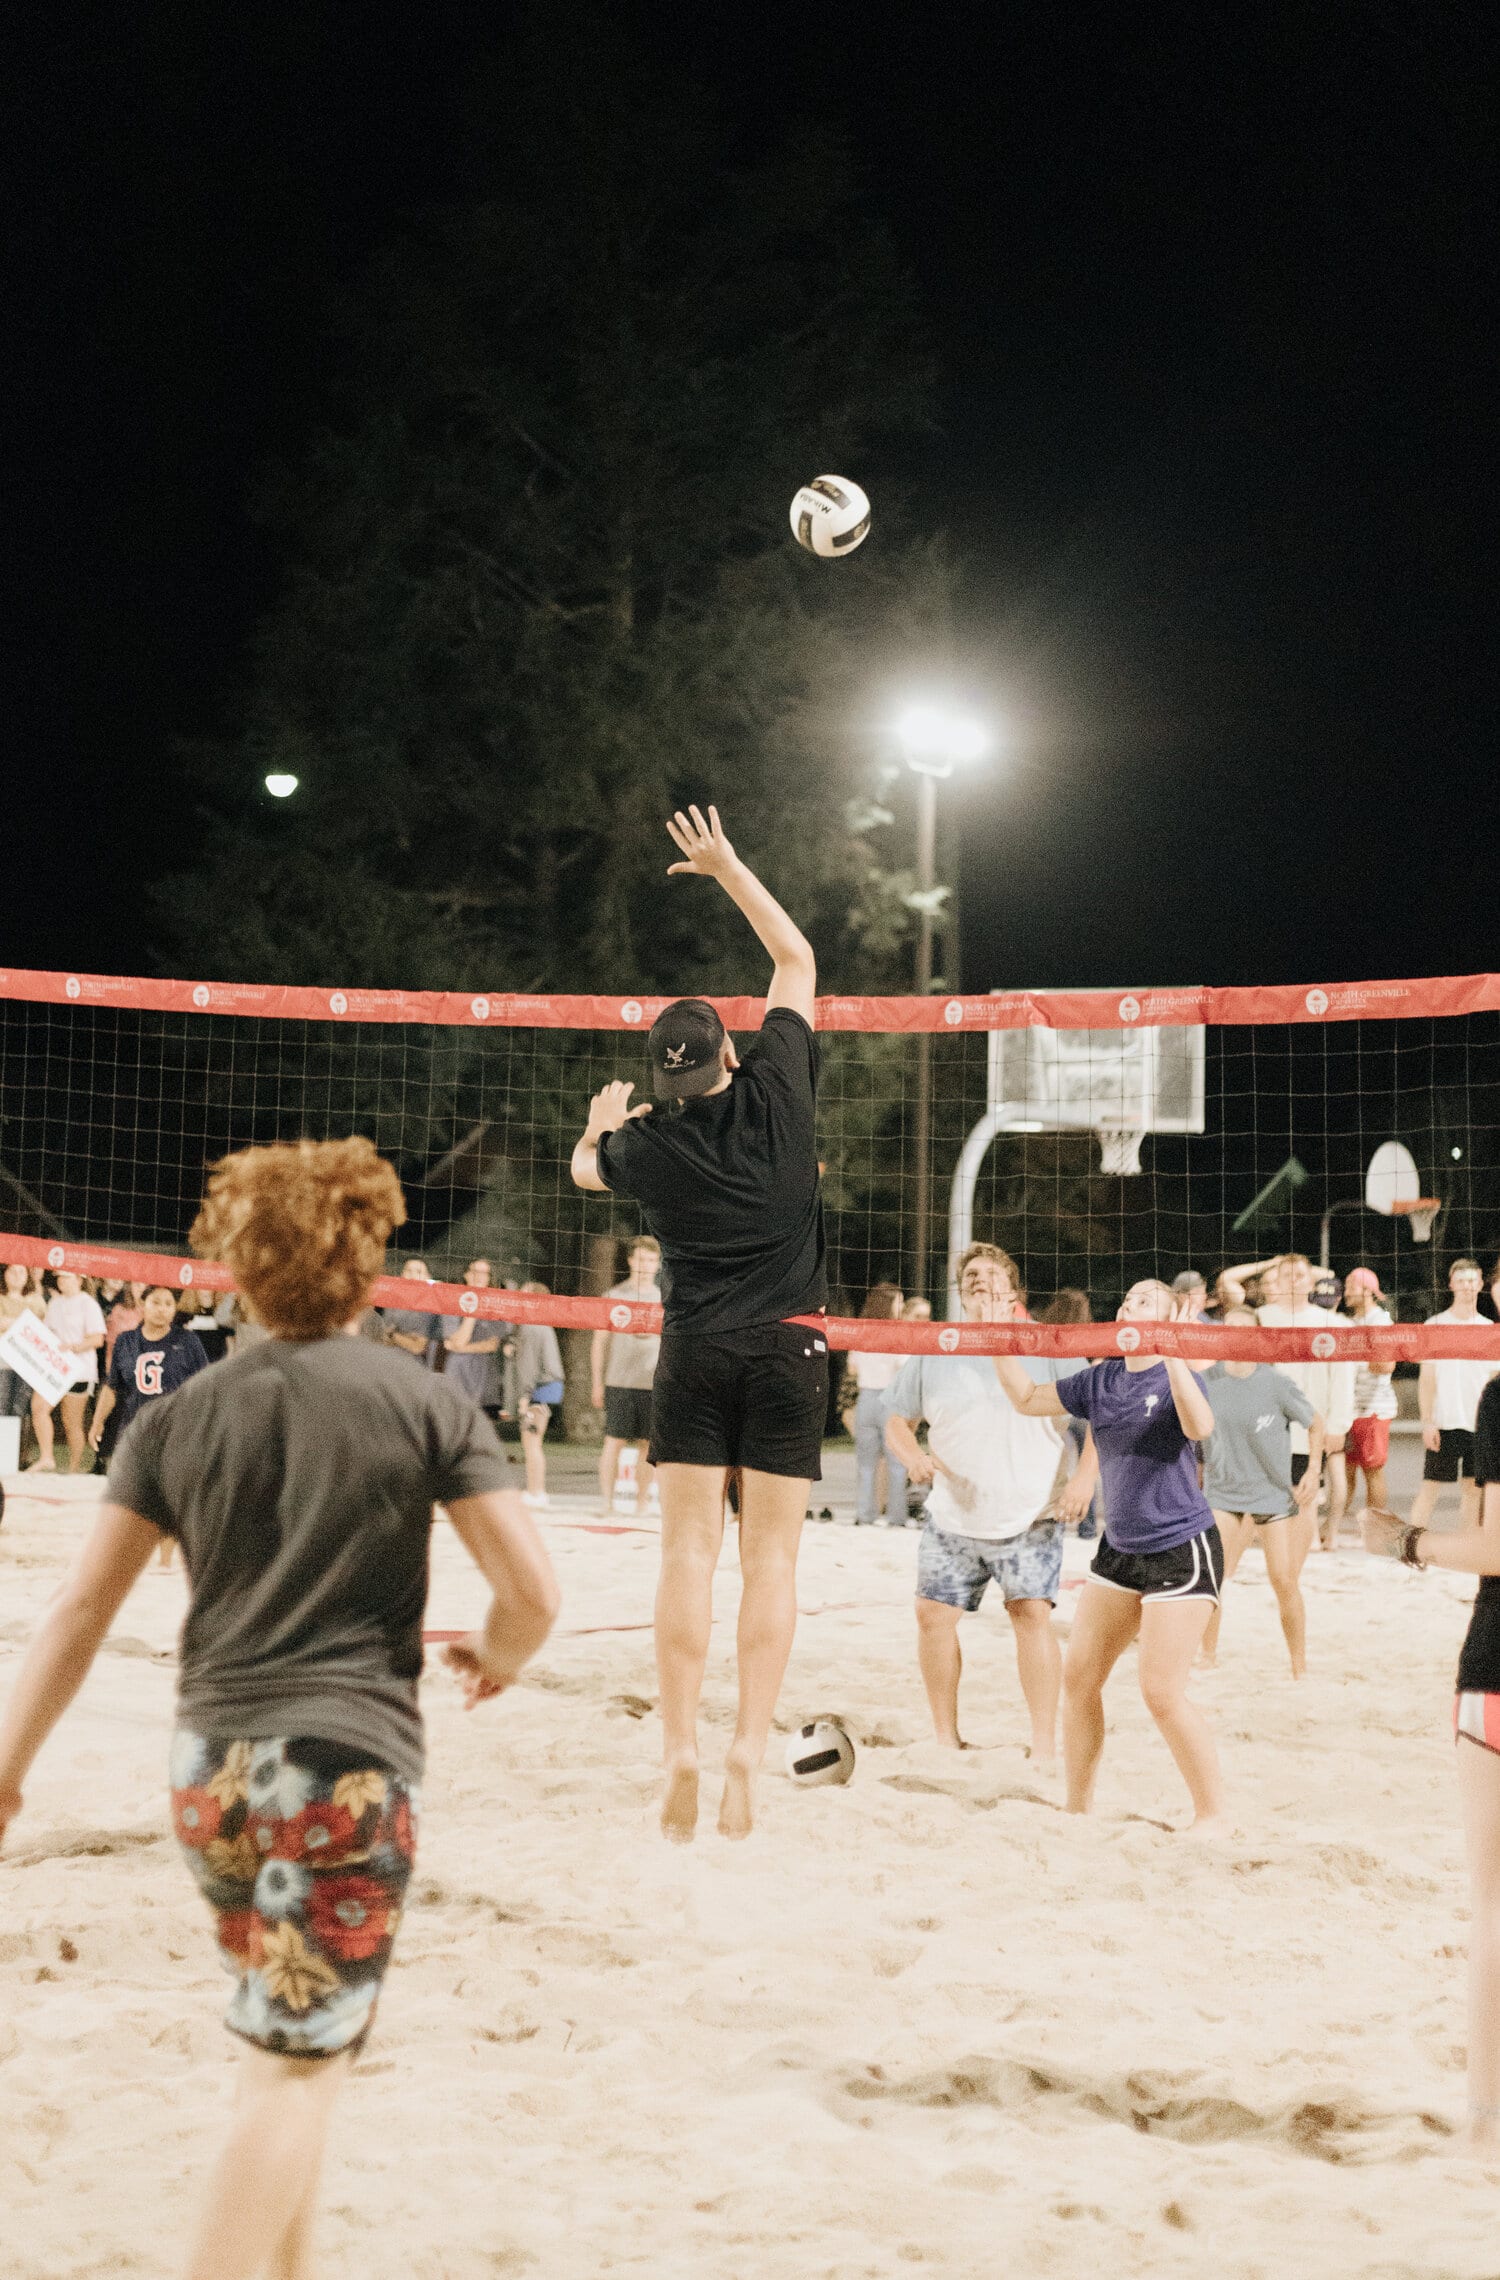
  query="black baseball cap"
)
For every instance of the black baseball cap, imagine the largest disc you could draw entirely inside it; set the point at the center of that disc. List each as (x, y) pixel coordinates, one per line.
(685, 1046)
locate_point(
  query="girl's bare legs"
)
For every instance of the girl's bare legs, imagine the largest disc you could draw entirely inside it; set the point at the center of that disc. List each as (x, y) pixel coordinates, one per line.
(1236, 1535)
(771, 1516)
(692, 1530)
(1106, 1622)
(1479, 1792)
(41, 1425)
(73, 1407)
(1171, 1633)
(258, 2216)
(1281, 1567)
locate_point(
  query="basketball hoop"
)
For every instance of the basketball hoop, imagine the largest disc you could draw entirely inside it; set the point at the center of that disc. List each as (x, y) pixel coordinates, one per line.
(1119, 1153)
(1421, 1214)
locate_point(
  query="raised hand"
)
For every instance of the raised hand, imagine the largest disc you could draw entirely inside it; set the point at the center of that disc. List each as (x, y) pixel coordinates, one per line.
(610, 1108)
(706, 851)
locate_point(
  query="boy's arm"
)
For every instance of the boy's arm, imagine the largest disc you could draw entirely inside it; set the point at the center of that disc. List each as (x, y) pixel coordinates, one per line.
(608, 1110)
(707, 854)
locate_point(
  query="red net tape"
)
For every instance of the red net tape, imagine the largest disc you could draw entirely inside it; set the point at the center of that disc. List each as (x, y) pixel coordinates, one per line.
(1001, 1009)
(1200, 1342)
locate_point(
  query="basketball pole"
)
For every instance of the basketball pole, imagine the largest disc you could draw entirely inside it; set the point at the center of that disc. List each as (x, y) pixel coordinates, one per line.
(926, 865)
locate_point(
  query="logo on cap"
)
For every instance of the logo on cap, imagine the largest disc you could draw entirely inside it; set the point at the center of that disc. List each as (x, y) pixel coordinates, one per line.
(480, 1008)
(1127, 1338)
(948, 1339)
(1130, 1009)
(632, 1010)
(200, 994)
(338, 1003)
(674, 1057)
(1316, 1001)
(619, 1317)
(1325, 1344)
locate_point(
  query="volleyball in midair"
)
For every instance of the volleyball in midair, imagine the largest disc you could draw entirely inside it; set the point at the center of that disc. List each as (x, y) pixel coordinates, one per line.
(830, 516)
(820, 1753)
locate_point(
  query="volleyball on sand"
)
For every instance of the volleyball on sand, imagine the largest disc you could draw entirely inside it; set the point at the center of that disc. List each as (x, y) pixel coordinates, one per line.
(830, 516)
(820, 1753)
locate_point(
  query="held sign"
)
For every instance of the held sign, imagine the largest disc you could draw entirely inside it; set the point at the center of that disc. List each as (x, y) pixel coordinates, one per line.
(30, 1349)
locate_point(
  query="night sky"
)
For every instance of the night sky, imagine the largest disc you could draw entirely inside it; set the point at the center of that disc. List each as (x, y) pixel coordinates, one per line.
(1213, 301)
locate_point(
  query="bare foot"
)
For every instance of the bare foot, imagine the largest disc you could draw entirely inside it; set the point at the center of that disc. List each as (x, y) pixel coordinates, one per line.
(679, 1805)
(737, 1805)
(42, 1464)
(1047, 1767)
(1207, 1828)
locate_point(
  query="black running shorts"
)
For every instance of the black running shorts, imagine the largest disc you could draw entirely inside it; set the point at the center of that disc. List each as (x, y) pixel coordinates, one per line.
(627, 1412)
(1193, 1570)
(1453, 1455)
(753, 1398)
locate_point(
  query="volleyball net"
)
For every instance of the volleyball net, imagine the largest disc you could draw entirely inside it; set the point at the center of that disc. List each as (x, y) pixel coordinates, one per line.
(1096, 1136)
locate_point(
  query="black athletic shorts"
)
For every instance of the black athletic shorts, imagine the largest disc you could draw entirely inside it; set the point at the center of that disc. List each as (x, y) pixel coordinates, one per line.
(754, 1398)
(1299, 1466)
(1193, 1570)
(627, 1412)
(1453, 1455)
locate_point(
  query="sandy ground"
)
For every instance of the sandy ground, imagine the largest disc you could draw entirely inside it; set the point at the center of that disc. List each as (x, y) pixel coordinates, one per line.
(924, 2022)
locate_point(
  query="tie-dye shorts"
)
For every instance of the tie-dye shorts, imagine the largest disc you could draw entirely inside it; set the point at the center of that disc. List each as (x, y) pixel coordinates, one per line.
(303, 1850)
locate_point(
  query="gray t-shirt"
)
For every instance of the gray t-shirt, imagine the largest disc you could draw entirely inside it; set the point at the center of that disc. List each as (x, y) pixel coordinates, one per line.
(630, 1357)
(1247, 1460)
(300, 1481)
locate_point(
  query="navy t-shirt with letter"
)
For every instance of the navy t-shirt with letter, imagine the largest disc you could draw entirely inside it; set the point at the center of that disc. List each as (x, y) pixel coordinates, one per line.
(142, 1368)
(728, 1185)
(1148, 1467)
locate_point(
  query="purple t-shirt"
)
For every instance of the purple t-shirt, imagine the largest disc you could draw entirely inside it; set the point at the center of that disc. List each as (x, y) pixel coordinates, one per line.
(1148, 1467)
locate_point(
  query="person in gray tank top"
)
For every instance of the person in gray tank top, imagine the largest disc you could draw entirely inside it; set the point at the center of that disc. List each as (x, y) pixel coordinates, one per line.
(1247, 1478)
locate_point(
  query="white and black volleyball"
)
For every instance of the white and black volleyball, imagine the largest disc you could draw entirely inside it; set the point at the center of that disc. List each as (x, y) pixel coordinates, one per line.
(820, 1753)
(830, 516)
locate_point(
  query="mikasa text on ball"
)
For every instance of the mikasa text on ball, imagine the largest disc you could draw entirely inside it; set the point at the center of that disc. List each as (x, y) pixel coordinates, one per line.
(830, 516)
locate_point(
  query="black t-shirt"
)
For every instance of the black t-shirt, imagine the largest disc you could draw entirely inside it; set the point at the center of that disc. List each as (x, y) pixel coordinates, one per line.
(728, 1186)
(300, 1481)
(1479, 1662)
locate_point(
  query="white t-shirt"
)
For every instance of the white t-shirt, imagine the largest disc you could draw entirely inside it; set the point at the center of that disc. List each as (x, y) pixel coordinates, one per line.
(1014, 1463)
(70, 1318)
(1459, 1384)
(1329, 1386)
(876, 1371)
(1374, 1396)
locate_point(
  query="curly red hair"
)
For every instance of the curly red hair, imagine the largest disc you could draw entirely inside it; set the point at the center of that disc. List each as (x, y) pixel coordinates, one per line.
(303, 1227)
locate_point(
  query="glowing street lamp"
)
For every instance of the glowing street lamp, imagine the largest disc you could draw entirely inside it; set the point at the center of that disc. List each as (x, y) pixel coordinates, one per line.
(281, 787)
(934, 741)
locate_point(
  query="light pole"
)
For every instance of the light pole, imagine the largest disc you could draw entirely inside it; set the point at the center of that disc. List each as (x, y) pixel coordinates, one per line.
(933, 742)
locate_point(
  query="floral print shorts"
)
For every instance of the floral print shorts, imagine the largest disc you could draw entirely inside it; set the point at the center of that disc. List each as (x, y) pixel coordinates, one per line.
(303, 1850)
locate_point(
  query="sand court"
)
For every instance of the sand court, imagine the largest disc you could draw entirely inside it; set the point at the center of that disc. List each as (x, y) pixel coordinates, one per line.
(927, 2022)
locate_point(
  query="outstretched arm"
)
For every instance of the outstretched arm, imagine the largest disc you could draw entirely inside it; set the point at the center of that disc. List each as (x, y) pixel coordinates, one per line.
(1194, 1409)
(608, 1110)
(1469, 1551)
(1024, 1393)
(707, 854)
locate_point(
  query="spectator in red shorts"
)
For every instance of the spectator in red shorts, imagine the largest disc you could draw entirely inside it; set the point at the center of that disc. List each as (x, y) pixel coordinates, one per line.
(1368, 1443)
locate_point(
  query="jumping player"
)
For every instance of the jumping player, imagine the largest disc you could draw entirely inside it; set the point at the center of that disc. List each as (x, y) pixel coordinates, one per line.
(728, 1184)
(300, 1480)
(1157, 1571)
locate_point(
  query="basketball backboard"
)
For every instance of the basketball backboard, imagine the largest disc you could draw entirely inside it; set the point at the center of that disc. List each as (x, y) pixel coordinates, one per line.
(1392, 1179)
(1118, 1083)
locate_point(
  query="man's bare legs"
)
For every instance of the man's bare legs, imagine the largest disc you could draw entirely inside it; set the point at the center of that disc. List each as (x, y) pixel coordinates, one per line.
(1236, 1534)
(692, 1530)
(1276, 1543)
(262, 2193)
(940, 1658)
(1171, 1633)
(1039, 1662)
(1479, 1790)
(609, 1465)
(1336, 1485)
(771, 1516)
(1106, 1622)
